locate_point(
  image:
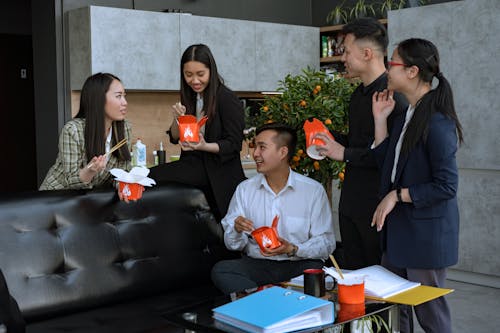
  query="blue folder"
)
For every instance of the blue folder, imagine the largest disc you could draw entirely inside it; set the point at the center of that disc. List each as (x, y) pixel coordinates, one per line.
(276, 310)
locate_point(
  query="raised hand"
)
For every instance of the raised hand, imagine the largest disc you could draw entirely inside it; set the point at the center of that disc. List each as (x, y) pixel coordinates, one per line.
(382, 104)
(178, 110)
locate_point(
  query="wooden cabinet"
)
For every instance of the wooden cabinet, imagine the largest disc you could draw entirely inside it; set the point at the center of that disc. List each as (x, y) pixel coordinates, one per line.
(331, 40)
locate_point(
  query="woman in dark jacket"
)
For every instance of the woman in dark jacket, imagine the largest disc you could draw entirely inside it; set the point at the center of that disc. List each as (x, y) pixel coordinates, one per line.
(418, 214)
(213, 164)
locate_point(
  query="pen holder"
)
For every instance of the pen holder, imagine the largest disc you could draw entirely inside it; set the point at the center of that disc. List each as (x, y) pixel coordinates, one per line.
(347, 311)
(351, 290)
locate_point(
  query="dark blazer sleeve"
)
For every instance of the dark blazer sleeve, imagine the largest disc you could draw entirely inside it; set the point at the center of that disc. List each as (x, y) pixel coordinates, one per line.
(441, 146)
(232, 117)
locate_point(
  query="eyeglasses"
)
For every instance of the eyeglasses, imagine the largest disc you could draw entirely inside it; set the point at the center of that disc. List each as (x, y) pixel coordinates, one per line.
(393, 63)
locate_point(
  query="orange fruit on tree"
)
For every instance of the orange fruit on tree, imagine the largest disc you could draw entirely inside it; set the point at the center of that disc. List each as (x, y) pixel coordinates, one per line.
(341, 176)
(315, 92)
(296, 158)
(265, 108)
(300, 152)
(328, 122)
(303, 103)
(316, 165)
(318, 88)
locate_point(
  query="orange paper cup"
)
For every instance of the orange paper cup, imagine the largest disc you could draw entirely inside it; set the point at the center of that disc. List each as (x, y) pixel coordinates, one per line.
(266, 237)
(131, 191)
(350, 311)
(351, 290)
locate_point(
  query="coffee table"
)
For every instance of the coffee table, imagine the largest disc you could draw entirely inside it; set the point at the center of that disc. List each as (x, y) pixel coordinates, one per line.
(198, 317)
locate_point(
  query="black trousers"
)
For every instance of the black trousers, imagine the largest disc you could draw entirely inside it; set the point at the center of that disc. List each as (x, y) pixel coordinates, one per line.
(190, 170)
(360, 242)
(247, 273)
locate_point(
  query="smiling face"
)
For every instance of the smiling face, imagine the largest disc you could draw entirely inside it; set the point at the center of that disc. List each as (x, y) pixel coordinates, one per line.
(268, 155)
(196, 75)
(115, 108)
(397, 74)
(353, 56)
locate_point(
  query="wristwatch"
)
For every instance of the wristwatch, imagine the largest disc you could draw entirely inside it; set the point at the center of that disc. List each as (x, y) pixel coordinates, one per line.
(292, 253)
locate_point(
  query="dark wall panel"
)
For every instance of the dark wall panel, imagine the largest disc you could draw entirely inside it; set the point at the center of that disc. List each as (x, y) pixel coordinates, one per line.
(277, 11)
(15, 17)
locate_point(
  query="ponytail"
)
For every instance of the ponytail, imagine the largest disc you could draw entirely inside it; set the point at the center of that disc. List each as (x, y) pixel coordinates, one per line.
(444, 102)
(424, 54)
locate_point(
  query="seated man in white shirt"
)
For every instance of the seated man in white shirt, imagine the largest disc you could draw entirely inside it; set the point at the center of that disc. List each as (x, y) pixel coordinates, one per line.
(305, 226)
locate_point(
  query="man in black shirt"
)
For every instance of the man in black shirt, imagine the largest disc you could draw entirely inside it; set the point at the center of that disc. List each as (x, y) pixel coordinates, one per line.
(365, 44)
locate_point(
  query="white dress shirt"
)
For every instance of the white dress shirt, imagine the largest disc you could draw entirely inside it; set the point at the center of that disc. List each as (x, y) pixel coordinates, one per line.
(305, 217)
(200, 113)
(108, 142)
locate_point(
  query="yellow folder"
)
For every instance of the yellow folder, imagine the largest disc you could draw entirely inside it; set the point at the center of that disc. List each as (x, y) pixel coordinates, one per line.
(415, 296)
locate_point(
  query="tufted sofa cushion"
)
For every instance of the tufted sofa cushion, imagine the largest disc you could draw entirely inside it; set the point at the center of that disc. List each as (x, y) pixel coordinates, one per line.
(63, 251)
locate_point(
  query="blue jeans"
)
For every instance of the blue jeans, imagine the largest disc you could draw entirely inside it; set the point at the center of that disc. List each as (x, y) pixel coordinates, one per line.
(247, 273)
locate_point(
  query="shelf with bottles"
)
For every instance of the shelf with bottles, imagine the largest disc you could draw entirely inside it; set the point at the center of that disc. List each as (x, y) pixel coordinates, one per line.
(331, 40)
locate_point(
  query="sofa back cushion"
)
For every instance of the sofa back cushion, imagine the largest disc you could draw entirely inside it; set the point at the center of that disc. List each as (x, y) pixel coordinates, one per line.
(62, 251)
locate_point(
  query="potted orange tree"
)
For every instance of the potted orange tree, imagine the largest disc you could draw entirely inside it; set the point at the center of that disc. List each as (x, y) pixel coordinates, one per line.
(312, 94)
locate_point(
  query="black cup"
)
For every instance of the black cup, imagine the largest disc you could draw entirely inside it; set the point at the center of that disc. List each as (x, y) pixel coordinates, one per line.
(161, 156)
(314, 282)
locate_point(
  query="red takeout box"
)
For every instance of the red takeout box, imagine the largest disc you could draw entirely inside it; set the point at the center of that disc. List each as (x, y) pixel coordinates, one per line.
(311, 128)
(267, 237)
(131, 191)
(189, 128)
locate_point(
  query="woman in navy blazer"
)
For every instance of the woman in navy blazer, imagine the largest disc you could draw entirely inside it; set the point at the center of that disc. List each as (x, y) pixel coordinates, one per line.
(418, 214)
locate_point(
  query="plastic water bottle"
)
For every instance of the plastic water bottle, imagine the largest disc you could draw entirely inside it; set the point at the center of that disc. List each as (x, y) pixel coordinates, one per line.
(140, 152)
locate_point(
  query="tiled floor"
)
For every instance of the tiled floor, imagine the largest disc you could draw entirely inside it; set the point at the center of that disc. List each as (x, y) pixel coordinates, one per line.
(474, 308)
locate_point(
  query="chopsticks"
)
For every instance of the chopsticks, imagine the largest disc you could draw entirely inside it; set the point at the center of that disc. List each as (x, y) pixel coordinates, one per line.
(336, 266)
(115, 147)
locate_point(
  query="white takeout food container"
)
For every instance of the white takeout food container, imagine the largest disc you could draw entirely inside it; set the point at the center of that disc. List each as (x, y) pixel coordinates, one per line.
(138, 175)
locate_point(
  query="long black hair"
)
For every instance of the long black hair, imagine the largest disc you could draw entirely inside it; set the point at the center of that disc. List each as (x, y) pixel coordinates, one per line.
(92, 103)
(200, 53)
(424, 54)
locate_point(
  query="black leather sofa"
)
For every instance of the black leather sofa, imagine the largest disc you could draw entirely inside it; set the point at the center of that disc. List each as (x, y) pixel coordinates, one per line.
(82, 261)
